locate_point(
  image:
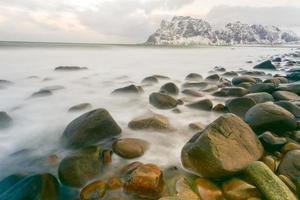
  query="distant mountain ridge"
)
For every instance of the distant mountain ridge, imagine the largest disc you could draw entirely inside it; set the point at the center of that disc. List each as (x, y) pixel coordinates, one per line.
(185, 30)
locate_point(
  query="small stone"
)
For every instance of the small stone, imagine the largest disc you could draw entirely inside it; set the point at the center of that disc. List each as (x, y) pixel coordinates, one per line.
(208, 190)
(271, 142)
(42, 93)
(150, 80)
(213, 77)
(192, 93)
(169, 88)
(131, 89)
(290, 165)
(197, 126)
(270, 162)
(80, 107)
(194, 77)
(219, 108)
(130, 147)
(94, 190)
(69, 68)
(205, 104)
(114, 183)
(162, 101)
(265, 65)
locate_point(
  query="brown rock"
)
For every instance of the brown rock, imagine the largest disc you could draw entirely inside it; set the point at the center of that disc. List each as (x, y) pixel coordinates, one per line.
(130, 147)
(114, 183)
(208, 190)
(95, 190)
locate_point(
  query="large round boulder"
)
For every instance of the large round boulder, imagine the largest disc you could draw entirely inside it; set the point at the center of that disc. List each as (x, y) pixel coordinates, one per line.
(169, 88)
(291, 107)
(162, 101)
(130, 147)
(80, 167)
(285, 95)
(270, 117)
(225, 147)
(260, 97)
(290, 165)
(204, 104)
(90, 128)
(240, 105)
(262, 87)
(242, 79)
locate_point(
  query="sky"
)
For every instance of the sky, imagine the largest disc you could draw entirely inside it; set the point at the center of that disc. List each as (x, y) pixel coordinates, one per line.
(130, 21)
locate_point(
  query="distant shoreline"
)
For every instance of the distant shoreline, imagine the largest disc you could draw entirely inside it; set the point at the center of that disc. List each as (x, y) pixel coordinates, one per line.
(73, 44)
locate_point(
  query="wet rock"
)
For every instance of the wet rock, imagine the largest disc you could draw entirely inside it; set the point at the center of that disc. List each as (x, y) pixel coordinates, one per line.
(90, 128)
(245, 85)
(230, 74)
(237, 189)
(151, 121)
(289, 183)
(205, 104)
(210, 88)
(69, 68)
(277, 59)
(199, 85)
(130, 147)
(219, 69)
(285, 95)
(231, 91)
(267, 182)
(290, 165)
(80, 167)
(169, 88)
(260, 97)
(208, 190)
(42, 93)
(40, 186)
(274, 81)
(5, 120)
(219, 108)
(145, 181)
(150, 80)
(114, 183)
(294, 76)
(197, 126)
(9, 182)
(131, 89)
(240, 105)
(194, 77)
(271, 142)
(242, 79)
(289, 106)
(294, 88)
(290, 146)
(265, 65)
(94, 190)
(270, 117)
(252, 73)
(192, 93)
(80, 107)
(262, 87)
(270, 161)
(213, 152)
(213, 77)
(282, 79)
(162, 101)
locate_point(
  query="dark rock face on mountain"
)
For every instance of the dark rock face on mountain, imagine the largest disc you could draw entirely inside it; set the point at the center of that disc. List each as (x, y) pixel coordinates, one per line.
(185, 30)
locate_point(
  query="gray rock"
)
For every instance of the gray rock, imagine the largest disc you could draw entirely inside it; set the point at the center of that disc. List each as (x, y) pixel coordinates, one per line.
(260, 97)
(205, 104)
(162, 101)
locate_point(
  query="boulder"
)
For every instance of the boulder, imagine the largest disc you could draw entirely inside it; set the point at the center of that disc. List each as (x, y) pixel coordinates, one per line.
(145, 181)
(10, 181)
(150, 80)
(80, 107)
(199, 85)
(267, 182)
(40, 186)
(208, 190)
(131, 89)
(260, 97)
(290, 165)
(224, 148)
(169, 88)
(192, 93)
(270, 117)
(240, 105)
(213, 77)
(5, 120)
(90, 128)
(262, 87)
(204, 104)
(81, 166)
(162, 101)
(194, 77)
(265, 65)
(289, 106)
(150, 121)
(285, 95)
(271, 142)
(130, 147)
(94, 190)
(242, 79)
(231, 91)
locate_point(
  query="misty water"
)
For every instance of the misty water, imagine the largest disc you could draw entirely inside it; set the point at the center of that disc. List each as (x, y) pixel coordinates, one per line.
(38, 123)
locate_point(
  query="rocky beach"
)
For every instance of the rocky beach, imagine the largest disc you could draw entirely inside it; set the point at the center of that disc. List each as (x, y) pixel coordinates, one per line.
(226, 130)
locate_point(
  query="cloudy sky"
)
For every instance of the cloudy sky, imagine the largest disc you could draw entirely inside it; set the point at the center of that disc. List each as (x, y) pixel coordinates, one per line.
(129, 21)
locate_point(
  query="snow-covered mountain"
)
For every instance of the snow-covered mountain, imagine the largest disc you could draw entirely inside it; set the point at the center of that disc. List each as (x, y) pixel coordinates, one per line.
(191, 31)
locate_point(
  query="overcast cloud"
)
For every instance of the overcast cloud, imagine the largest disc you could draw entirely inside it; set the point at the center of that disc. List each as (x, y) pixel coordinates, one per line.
(129, 21)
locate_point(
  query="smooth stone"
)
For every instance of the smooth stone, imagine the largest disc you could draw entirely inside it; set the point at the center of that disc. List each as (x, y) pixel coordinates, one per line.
(114, 183)
(219, 69)
(240, 105)
(145, 181)
(274, 81)
(94, 190)
(212, 153)
(270, 117)
(237, 189)
(282, 79)
(242, 79)
(40, 186)
(53, 88)
(210, 88)
(272, 143)
(260, 97)
(197, 126)
(277, 59)
(294, 88)
(10, 181)
(207, 190)
(289, 106)
(230, 74)
(192, 93)
(290, 165)
(205, 104)
(285, 95)
(245, 85)
(270, 162)
(130, 147)
(151, 121)
(162, 101)
(213, 77)
(78, 168)
(69, 68)
(5, 120)
(262, 87)
(265, 65)
(289, 183)
(194, 77)
(131, 89)
(90, 128)
(80, 107)
(150, 80)
(199, 85)
(169, 88)
(267, 182)
(290, 146)
(231, 91)
(42, 93)
(219, 108)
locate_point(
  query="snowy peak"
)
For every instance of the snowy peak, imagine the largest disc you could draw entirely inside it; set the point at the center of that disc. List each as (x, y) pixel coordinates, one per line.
(185, 30)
